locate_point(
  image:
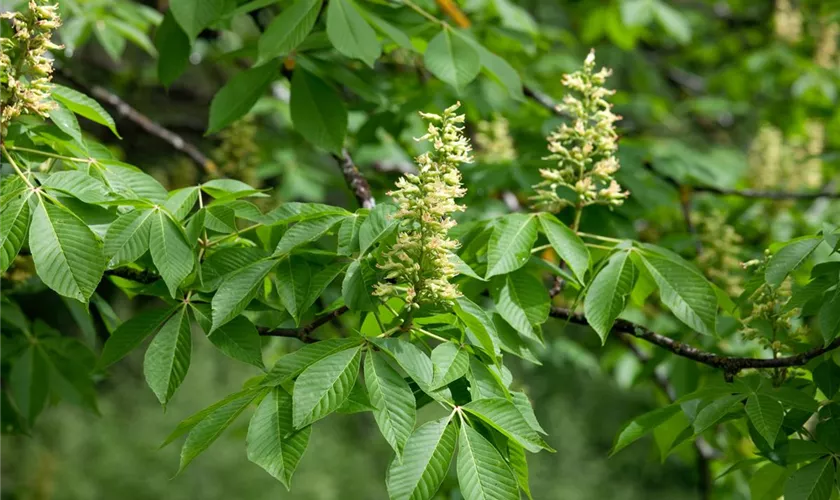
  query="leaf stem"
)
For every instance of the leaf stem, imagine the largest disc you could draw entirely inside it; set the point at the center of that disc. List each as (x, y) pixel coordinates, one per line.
(541, 248)
(430, 334)
(598, 237)
(17, 169)
(416, 8)
(595, 245)
(53, 155)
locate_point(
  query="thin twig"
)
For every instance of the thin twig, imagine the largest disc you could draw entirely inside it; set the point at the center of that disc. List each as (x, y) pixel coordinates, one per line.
(150, 126)
(304, 334)
(730, 364)
(355, 180)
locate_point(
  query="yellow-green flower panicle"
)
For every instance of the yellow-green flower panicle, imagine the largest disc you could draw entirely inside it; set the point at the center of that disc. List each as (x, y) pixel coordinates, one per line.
(26, 69)
(585, 148)
(417, 266)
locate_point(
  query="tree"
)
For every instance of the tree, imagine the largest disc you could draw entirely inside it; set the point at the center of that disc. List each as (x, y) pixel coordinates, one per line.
(464, 258)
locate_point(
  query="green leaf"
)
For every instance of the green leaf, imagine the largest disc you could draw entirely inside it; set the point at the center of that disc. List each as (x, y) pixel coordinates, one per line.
(229, 189)
(519, 464)
(77, 184)
(324, 386)
(68, 256)
(239, 95)
(685, 291)
(173, 47)
(766, 414)
(523, 404)
(452, 59)
(829, 318)
(131, 333)
(357, 287)
(768, 482)
(14, 223)
(190, 422)
(288, 29)
(567, 244)
(350, 34)
(388, 29)
(378, 225)
(181, 202)
(358, 401)
(29, 382)
(715, 411)
(815, 481)
(84, 106)
(66, 121)
(482, 472)
(237, 290)
(172, 255)
(272, 441)
(506, 418)
(425, 461)
(672, 21)
(195, 15)
(211, 426)
(415, 362)
(827, 377)
(789, 257)
(237, 338)
(392, 399)
(500, 70)
(292, 364)
(522, 300)
(479, 324)
(485, 381)
(348, 234)
(168, 356)
(608, 292)
(127, 238)
(318, 112)
(306, 231)
(641, 426)
(293, 277)
(510, 244)
(450, 363)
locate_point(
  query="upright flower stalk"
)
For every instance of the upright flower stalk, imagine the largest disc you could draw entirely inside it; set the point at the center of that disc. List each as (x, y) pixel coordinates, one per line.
(418, 266)
(26, 70)
(585, 149)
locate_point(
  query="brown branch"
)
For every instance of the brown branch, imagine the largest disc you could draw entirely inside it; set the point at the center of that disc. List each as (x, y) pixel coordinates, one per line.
(452, 10)
(355, 180)
(542, 99)
(150, 126)
(730, 364)
(304, 334)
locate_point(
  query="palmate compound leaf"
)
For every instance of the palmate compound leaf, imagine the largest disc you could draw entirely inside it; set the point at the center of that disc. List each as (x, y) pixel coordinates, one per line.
(323, 387)
(212, 424)
(127, 238)
(450, 363)
(766, 414)
(505, 417)
(272, 441)
(168, 356)
(288, 29)
(67, 254)
(392, 399)
(237, 338)
(425, 462)
(510, 244)
(482, 472)
(522, 301)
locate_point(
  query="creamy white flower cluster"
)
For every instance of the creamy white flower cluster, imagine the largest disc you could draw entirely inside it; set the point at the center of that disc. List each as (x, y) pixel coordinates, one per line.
(417, 266)
(493, 141)
(584, 150)
(776, 161)
(26, 75)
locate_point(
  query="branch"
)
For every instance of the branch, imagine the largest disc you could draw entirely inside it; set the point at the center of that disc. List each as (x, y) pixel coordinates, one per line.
(304, 334)
(541, 99)
(730, 364)
(150, 126)
(355, 180)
